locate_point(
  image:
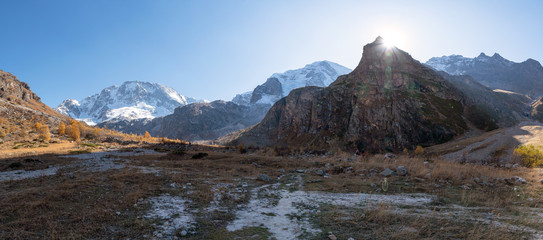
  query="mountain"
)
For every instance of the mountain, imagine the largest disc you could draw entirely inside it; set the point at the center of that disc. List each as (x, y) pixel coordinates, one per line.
(207, 121)
(387, 103)
(129, 101)
(279, 85)
(495, 72)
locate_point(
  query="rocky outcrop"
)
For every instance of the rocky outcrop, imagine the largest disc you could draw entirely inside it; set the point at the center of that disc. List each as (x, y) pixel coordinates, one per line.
(18, 104)
(272, 86)
(18, 93)
(389, 102)
(13, 90)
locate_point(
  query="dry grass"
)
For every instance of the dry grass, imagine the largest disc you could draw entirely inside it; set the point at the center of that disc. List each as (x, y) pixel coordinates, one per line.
(87, 205)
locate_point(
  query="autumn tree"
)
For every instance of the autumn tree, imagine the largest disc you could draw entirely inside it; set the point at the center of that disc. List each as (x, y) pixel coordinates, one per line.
(44, 135)
(61, 129)
(75, 130)
(37, 127)
(147, 135)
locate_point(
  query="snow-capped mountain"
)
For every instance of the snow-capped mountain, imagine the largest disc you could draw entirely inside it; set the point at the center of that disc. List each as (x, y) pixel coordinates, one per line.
(206, 121)
(279, 85)
(495, 72)
(458, 64)
(129, 101)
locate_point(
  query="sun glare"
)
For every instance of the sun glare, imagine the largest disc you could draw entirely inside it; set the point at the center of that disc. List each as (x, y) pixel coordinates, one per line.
(392, 38)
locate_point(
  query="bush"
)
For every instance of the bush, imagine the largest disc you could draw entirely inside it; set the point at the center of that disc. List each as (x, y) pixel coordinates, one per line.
(242, 149)
(199, 155)
(419, 150)
(529, 155)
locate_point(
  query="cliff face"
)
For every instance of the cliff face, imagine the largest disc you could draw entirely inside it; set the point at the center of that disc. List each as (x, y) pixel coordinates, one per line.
(389, 102)
(18, 93)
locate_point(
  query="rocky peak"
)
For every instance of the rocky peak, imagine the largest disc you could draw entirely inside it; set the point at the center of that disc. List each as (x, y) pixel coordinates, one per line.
(13, 90)
(389, 102)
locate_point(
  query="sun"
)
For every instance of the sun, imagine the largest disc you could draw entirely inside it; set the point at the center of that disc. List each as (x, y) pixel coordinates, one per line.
(392, 38)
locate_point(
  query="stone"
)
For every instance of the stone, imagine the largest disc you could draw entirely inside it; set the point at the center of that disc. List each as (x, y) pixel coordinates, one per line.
(183, 233)
(516, 165)
(419, 179)
(519, 180)
(264, 178)
(320, 172)
(401, 170)
(332, 237)
(390, 155)
(300, 170)
(387, 172)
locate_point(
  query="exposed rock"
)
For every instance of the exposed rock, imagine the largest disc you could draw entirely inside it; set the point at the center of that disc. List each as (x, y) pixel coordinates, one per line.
(390, 155)
(332, 237)
(264, 178)
(320, 172)
(516, 180)
(401, 170)
(387, 172)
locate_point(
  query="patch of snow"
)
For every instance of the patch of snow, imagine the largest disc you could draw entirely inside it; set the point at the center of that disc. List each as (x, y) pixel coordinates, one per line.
(172, 214)
(22, 174)
(286, 218)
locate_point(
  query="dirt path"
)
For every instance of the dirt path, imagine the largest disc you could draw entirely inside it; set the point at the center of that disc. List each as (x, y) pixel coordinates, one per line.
(497, 144)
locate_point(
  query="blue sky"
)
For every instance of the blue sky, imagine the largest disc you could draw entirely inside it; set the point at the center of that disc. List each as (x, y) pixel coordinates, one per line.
(215, 49)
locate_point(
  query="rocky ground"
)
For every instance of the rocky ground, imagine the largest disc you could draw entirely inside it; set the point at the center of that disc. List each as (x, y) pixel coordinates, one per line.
(164, 192)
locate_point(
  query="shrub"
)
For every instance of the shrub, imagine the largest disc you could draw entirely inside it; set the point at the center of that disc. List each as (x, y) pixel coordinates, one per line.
(199, 155)
(37, 127)
(529, 155)
(242, 149)
(419, 150)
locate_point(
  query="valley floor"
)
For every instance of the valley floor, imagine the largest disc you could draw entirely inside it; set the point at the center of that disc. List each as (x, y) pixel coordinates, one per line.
(199, 192)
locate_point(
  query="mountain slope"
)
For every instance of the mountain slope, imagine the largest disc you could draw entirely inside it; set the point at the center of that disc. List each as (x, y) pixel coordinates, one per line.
(495, 72)
(389, 102)
(20, 109)
(129, 101)
(490, 109)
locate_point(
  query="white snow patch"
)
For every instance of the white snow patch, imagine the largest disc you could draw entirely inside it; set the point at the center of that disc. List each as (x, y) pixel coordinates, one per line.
(287, 218)
(22, 174)
(173, 215)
